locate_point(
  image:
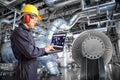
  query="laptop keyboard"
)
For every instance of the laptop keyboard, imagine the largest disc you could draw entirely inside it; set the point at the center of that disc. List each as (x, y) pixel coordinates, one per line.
(55, 51)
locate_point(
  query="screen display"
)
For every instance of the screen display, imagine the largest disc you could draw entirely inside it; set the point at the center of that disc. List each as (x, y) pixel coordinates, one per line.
(58, 40)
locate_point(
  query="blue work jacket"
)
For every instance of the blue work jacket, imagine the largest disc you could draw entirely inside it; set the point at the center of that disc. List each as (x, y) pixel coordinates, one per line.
(25, 51)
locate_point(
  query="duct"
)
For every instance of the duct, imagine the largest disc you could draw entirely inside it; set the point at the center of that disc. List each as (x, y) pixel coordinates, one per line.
(73, 20)
(58, 3)
(5, 21)
(56, 26)
(61, 24)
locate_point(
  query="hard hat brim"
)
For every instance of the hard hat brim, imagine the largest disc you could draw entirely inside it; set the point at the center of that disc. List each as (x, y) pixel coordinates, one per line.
(39, 18)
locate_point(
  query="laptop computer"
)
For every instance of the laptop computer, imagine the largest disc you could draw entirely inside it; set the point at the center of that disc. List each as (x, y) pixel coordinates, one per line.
(57, 42)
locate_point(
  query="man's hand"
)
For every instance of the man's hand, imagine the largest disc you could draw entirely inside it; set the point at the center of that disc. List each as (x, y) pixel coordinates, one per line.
(49, 48)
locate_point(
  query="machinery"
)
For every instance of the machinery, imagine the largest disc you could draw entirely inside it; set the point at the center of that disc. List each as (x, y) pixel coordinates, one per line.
(93, 34)
(92, 50)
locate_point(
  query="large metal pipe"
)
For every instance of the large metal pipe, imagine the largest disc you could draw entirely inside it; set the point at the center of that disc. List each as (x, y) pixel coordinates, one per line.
(5, 21)
(58, 24)
(73, 21)
(9, 21)
(58, 3)
(15, 13)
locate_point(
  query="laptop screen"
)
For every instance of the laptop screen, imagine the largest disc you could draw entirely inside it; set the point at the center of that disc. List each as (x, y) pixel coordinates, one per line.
(58, 40)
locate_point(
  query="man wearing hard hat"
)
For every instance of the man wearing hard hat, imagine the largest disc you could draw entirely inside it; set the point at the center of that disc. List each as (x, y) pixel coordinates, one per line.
(23, 44)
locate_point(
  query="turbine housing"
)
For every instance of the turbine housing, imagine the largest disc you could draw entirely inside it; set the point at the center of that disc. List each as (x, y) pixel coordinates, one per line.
(92, 45)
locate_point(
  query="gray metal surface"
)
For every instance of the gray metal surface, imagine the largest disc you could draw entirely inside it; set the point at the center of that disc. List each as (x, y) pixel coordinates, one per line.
(58, 3)
(115, 72)
(93, 45)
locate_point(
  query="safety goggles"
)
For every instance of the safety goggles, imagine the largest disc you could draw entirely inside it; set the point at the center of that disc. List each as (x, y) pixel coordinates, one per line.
(32, 16)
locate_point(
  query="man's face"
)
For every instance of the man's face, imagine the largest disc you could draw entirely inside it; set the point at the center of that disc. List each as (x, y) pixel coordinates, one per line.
(32, 22)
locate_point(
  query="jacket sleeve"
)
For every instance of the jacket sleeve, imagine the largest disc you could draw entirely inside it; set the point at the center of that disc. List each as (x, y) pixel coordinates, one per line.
(26, 47)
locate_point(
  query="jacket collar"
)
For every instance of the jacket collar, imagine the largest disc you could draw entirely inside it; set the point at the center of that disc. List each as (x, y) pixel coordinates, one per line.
(23, 27)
